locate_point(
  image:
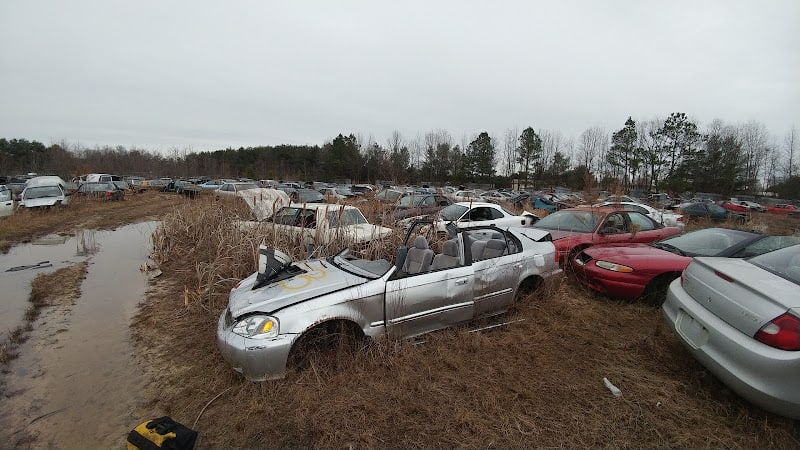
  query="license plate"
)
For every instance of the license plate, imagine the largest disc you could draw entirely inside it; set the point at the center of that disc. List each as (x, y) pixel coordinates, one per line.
(692, 331)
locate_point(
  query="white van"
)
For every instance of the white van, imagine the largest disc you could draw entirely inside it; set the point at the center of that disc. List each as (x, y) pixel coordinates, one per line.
(99, 177)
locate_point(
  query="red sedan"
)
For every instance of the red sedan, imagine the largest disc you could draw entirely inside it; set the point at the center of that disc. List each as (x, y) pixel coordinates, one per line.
(574, 229)
(644, 271)
(783, 208)
(730, 206)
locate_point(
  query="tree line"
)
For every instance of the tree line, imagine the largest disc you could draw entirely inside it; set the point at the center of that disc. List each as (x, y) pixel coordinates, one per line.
(653, 156)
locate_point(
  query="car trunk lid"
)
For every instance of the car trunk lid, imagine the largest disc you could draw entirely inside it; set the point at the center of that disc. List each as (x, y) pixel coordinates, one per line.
(734, 291)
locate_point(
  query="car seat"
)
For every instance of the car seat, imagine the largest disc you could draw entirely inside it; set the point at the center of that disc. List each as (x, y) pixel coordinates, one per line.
(494, 248)
(477, 250)
(449, 256)
(419, 257)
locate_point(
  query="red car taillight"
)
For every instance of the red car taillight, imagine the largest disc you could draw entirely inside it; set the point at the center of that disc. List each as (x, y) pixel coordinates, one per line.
(108, 194)
(782, 332)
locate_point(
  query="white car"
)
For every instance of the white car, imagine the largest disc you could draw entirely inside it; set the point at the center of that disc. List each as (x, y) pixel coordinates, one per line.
(6, 202)
(43, 196)
(231, 189)
(472, 214)
(740, 318)
(666, 218)
(323, 223)
(466, 196)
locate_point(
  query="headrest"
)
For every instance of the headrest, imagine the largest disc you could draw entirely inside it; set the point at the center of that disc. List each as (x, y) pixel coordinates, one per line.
(495, 244)
(421, 243)
(450, 248)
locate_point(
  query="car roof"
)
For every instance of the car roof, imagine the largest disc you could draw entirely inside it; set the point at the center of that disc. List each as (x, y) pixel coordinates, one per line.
(597, 209)
(330, 206)
(473, 204)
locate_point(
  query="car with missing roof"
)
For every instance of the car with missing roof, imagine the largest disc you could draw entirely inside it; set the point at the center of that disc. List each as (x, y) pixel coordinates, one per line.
(288, 312)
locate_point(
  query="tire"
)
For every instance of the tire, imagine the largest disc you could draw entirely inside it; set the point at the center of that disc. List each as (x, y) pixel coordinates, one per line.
(526, 288)
(656, 291)
(326, 346)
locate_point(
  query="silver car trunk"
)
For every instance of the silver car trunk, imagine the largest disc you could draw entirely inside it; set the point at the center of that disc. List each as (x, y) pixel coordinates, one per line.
(312, 280)
(729, 289)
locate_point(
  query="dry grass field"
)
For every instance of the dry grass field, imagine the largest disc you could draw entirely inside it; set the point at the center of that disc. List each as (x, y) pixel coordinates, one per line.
(536, 382)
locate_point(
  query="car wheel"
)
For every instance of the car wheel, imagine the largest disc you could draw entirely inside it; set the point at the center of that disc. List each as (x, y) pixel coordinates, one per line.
(526, 288)
(326, 346)
(656, 291)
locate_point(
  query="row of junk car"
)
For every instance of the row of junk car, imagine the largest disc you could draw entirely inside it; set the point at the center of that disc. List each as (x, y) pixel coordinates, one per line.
(731, 296)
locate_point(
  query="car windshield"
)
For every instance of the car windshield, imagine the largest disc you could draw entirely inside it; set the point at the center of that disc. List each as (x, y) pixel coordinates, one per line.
(344, 191)
(706, 242)
(345, 216)
(42, 192)
(576, 221)
(784, 262)
(409, 201)
(453, 212)
(389, 195)
(308, 195)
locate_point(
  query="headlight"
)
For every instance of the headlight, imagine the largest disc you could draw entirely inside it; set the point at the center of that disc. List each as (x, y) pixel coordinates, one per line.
(257, 327)
(614, 267)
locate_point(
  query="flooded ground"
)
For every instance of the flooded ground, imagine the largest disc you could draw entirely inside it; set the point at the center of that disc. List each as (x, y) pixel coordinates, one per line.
(76, 383)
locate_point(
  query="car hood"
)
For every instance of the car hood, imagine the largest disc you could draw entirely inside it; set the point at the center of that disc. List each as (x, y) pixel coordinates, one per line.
(365, 232)
(314, 280)
(561, 234)
(630, 253)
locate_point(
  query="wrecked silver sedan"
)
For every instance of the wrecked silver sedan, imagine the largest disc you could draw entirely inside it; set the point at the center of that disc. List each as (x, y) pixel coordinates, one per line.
(286, 307)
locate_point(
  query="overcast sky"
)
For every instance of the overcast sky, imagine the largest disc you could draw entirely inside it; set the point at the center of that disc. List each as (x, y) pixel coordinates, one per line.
(207, 74)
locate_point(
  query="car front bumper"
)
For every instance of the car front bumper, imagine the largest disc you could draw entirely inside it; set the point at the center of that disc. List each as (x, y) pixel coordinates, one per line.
(763, 375)
(256, 359)
(607, 282)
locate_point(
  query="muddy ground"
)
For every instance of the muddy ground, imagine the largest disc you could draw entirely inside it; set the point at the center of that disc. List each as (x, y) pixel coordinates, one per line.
(537, 382)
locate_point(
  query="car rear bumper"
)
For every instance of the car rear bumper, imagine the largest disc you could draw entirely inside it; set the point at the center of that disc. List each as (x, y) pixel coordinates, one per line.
(761, 374)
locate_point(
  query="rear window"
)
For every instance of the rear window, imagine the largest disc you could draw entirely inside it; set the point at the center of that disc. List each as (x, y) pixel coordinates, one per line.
(784, 263)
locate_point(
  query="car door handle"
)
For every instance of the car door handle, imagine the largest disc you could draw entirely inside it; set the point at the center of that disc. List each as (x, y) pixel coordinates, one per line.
(462, 281)
(518, 266)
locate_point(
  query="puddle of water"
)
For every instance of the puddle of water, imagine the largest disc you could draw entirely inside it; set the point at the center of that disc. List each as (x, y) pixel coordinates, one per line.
(60, 251)
(79, 360)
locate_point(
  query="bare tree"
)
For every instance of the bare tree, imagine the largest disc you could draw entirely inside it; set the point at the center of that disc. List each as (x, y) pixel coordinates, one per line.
(509, 156)
(593, 141)
(790, 142)
(755, 143)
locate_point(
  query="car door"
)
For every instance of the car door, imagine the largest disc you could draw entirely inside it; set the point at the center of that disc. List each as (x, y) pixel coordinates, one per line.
(428, 301)
(644, 228)
(477, 216)
(496, 275)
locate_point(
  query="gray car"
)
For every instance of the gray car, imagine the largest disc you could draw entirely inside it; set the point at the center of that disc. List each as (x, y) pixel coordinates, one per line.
(741, 320)
(287, 307)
